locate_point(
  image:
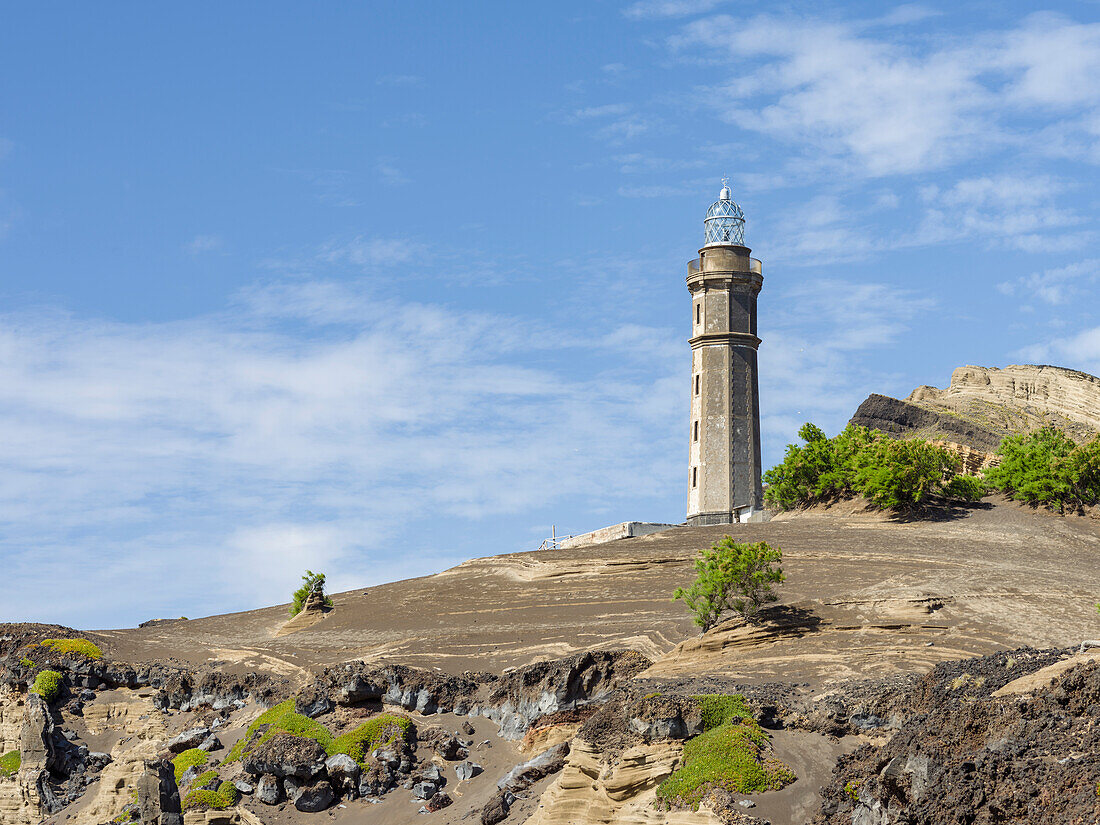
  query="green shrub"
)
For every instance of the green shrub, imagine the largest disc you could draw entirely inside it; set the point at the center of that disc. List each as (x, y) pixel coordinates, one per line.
(310, 581)
(965, 488)
(380, 731)
(1046, 467)
(728, 754)
(190, 758)
(732, 576)
(9, 763)
(47, 684)
(25, 662)
(225, 796)
(80, 647)
(859, 461)
(718, 709)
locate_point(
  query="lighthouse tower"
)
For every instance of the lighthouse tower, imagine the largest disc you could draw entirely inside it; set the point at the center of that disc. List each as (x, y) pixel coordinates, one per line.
(724, 457)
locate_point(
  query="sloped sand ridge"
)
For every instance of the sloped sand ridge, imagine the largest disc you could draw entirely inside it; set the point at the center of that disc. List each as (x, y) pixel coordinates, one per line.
(877, 596)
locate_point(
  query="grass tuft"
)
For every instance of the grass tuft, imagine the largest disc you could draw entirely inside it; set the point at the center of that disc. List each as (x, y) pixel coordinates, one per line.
(729, 754)
(9, 763)
(225, 796)
(190, 758)
(380, 731)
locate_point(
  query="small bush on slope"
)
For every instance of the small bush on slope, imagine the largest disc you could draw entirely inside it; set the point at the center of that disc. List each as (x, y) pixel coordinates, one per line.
(310, 581)
(727, 754)
(732, 576)
(47, 684)
(1045, 467)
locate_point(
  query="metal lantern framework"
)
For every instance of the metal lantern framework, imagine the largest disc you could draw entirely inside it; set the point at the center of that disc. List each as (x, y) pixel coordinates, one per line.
(725, 222)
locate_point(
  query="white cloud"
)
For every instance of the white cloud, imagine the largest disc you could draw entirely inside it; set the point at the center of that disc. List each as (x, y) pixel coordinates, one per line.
(888, 106)
(1080, 351)
(223, 454)
(1058, 285)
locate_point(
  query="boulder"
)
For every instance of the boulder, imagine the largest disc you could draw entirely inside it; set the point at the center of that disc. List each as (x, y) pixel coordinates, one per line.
(188, 739)
(438, 802)
(496, 809)
(424, 790)
(158, 798)
(312, 701)
(467, 770)
(287, 756)
(245, 787)
(343, 771)
(314, 798)
(268, 790)
(210, 743)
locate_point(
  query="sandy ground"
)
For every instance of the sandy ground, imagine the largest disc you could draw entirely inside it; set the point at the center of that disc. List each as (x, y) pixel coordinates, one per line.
(870, 596)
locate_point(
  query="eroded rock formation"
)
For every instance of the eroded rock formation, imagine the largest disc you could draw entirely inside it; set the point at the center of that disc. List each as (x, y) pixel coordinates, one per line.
(983, 404)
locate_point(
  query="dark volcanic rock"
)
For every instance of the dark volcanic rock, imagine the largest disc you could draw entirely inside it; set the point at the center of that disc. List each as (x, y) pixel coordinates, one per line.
(967, 757)
(314, 798)
(902, 418)
(496, 809)
(268, 790)
(284, 755)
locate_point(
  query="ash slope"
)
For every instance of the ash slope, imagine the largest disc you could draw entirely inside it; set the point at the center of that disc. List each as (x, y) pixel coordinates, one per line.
(865, 596)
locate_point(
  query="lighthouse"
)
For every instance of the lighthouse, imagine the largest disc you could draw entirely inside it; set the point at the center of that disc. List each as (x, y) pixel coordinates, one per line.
(724, 457)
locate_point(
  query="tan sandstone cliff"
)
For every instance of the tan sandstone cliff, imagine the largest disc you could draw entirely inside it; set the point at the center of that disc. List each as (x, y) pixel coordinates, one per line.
(982, 405)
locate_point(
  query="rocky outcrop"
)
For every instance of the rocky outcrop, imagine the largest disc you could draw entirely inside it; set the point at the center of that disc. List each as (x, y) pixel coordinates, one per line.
(982, 405)
(967, 754)
(514, 701)
(588, 790)
(158, 798)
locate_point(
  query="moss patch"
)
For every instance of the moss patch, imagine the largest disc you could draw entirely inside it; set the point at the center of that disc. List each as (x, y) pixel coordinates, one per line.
(9, 763)
(224, 797)
(190, 758)
(728, 754)
(380, 731)
(47, 684)
(25, 662)
(79, 647)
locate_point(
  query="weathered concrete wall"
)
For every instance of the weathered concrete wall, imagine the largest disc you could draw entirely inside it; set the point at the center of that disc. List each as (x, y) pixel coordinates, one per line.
(626, 530)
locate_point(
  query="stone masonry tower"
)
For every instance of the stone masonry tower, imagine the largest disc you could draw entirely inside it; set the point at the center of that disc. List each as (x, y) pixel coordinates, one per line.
(724, 460)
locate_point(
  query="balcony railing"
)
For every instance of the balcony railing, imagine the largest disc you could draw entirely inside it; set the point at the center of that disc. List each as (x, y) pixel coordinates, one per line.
(755, 266)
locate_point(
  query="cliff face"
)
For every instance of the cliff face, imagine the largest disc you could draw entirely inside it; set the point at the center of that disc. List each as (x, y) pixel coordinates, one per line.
(982, 405)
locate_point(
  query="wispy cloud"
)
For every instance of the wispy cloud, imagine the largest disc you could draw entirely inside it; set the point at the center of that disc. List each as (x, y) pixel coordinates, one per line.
(1078, 351)
(1058, 285)
(390, 174)
(660, 9)
(889, 106)
(204, 243)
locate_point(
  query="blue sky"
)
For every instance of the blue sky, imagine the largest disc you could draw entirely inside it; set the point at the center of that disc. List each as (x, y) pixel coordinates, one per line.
(375, 288)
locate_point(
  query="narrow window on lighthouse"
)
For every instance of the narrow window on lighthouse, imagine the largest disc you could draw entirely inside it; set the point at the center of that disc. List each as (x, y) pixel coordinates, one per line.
(696, 430)
(694, 476)
(697, 384)
(697, 307)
